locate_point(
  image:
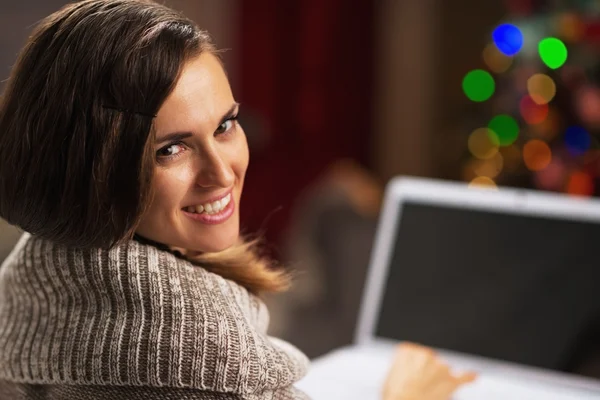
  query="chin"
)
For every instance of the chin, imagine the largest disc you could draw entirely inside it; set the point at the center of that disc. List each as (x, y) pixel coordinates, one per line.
(219, 241)
(216, 247)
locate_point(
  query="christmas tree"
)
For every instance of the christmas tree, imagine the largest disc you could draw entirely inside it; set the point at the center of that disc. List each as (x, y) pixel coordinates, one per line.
(538, 100)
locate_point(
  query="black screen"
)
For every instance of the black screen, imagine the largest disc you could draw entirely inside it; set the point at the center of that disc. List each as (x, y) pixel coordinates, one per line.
(510, 287)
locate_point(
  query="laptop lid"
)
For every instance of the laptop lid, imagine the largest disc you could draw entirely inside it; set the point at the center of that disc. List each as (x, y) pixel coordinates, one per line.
(510, 275)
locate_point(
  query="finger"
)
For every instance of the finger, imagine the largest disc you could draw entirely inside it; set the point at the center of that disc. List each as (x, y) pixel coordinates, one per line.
(467, 377)
(442, 367)
(414, 354)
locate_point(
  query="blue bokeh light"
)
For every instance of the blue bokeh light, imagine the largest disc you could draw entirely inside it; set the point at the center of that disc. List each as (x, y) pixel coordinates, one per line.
(508, 39)
(577, 140)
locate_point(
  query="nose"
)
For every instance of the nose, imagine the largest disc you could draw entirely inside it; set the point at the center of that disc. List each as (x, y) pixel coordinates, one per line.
(214, 170)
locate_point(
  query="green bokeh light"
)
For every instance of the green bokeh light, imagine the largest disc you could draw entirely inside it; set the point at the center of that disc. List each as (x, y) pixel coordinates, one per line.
(553, 52)
(478, 85)
(503, 130)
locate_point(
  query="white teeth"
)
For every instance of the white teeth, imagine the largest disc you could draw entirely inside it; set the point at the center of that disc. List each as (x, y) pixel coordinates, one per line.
(211, 208)
(226, 200)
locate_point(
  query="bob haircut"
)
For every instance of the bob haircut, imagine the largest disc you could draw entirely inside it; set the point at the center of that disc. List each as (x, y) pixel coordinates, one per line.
(76, 127)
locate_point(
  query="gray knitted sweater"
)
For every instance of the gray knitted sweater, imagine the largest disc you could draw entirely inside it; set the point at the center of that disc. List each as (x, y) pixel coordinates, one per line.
(134, 322)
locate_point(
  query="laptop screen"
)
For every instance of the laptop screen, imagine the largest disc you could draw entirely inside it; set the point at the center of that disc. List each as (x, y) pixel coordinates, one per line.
(517, 288)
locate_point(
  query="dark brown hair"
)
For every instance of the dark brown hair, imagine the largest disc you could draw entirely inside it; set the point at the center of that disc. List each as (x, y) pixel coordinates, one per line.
(76, 127)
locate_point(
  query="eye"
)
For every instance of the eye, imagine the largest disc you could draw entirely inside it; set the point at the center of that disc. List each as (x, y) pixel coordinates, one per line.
(172, 150)
(227, 125)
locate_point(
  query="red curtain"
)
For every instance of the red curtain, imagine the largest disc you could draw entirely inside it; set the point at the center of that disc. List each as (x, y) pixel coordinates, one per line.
(306, 71)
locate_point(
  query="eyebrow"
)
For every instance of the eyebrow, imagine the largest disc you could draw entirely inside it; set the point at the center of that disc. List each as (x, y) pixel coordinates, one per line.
(176, 136)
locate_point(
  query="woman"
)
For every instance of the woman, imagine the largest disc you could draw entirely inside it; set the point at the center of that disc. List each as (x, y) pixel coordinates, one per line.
(122, 159)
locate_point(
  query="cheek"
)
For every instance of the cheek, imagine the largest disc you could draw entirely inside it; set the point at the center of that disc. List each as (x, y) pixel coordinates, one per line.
(169, 189)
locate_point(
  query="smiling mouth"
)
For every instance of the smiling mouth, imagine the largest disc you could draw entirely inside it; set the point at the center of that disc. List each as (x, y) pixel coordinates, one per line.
(211, 208)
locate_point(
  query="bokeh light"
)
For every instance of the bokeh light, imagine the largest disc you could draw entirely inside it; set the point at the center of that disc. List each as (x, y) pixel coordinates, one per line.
(532, 111)
(553, 176)
(505, 129)
(587, 105)
(580, 184)
(577, 140)
(508, 39)
(478, 85)
(549, 128)
(483, 182)
(553, 52)
(542, 88)
(491, 167)
(481, 144)
(536, 155)
(495, 60)
(570, 27)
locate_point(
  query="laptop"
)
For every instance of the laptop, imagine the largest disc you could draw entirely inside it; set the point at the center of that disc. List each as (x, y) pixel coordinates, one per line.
(503, 282)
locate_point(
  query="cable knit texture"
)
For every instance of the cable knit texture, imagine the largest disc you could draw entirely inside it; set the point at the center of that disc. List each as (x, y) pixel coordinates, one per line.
(133, 322)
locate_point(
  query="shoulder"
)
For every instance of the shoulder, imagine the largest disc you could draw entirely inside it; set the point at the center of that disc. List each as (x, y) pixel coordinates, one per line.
(134, 315)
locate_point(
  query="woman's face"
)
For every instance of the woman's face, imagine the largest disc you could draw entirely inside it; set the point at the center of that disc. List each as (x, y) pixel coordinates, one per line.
(201, 160)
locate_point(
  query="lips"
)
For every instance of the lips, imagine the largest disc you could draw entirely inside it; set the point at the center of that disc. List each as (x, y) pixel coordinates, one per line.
(212, 205)
(210, 208)
(215, 217)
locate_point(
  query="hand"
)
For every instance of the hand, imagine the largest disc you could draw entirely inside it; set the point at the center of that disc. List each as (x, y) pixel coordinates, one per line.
(418, 374)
